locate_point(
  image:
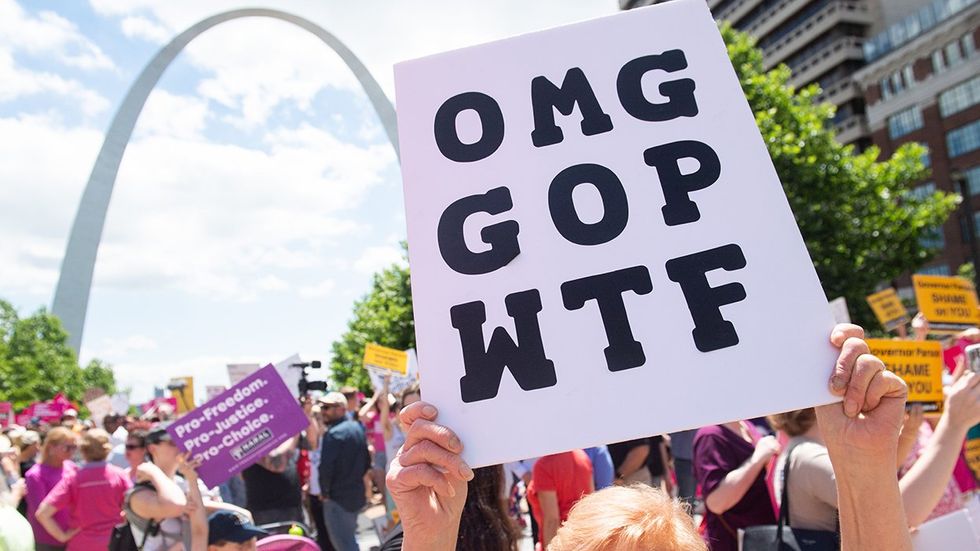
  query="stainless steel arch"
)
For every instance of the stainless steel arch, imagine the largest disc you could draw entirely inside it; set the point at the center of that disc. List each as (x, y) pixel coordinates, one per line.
(75, 281)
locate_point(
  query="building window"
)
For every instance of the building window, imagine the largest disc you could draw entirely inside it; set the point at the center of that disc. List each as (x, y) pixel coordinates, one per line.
(923, 191)
(972, 176)
(933, 239)
(886, 88)
(941, 270)
(938, 62)
(960, 97)
(904, 122)
(953, 55)
(964, 139)
(909, 76)
(969, 47)
(926, 157)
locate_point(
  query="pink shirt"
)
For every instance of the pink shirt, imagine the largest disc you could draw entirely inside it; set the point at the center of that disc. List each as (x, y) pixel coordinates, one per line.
(40, 480)
(93, 495)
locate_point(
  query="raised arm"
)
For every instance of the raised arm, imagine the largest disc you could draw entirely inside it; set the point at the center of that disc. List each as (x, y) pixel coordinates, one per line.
(196, 512)
(635, 460)
(167, 501)
(427, 481)
(922, 487)
(862, 439)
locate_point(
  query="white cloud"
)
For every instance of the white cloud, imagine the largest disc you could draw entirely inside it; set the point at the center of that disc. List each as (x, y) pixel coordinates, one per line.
(48, 34)
(173, 116)
(319, 290)
(111, 349)
(141, 27)
(375, 259)
(17, 82)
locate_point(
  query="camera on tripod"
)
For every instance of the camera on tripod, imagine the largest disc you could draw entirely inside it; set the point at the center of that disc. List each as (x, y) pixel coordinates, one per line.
(306, 385)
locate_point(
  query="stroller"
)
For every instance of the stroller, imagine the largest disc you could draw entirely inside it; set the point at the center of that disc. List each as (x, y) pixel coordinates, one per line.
(280, 539)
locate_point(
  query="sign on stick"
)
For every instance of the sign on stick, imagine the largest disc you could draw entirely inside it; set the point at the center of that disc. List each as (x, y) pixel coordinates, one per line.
(594, 222)
(948, 303)
(384, 358)
(919, 364)
(888, 308)
(240, 426)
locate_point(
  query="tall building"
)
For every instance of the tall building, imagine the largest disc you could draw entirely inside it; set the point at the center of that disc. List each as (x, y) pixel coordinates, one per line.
(922, 84)
(820, 40)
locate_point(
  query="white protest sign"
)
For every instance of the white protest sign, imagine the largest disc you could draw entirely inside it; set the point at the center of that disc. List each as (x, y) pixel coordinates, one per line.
(120, 403)
(237, 372)
(290, 375)
(952, 531)
(839, 308)
(99, 408)
(636, 255)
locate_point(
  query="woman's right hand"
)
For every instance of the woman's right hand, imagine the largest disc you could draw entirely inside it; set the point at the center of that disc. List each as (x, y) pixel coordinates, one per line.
(427, 480)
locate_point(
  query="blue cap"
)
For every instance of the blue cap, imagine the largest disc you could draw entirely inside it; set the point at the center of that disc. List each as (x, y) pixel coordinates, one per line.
(230, 526)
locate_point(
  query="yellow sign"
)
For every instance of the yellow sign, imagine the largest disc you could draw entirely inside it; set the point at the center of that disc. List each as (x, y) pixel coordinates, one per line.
(388, 359)
(888, 308)
(919, 364)
(182, 390)
(949, 303)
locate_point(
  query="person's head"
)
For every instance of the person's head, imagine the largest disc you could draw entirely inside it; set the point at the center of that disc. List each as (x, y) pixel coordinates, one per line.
(59, 445)
(628, 518)
(29, 443)
(794, 423)
(95, 445)
(411, 394)
(161, 449)
(350, 393)
(112, 422)
(485, 524)
(333, 406)
(136, 448)
(228, 531)
(69, 418)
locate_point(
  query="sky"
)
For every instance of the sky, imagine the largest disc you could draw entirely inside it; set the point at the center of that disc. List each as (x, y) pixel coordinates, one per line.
(259, 192)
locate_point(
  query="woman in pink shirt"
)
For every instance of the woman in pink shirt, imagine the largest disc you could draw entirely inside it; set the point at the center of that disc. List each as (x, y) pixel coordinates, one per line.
(93, 495)
(59, 445)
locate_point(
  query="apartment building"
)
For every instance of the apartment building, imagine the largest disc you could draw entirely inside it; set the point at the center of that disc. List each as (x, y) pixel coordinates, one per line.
(921, 84)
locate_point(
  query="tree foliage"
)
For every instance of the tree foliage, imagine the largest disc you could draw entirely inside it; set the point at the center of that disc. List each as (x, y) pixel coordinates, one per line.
(861, 222)
(383, 316)
(858, 215)
(36, 362)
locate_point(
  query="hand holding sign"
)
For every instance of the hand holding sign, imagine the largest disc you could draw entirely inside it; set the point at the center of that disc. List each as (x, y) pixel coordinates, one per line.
(964, 401)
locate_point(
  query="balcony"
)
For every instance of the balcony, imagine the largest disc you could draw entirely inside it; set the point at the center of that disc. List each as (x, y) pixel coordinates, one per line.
(843, 11)
(840, 92)
(852, 128)
(737, 11)
(776, 16)
(825, 59)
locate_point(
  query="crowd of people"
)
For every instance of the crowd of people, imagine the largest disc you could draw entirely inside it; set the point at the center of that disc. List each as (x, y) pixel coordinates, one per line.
(864, 470)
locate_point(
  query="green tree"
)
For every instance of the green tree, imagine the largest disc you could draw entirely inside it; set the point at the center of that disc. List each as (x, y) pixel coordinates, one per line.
(383, 316)
(859, 217)
(36, 362)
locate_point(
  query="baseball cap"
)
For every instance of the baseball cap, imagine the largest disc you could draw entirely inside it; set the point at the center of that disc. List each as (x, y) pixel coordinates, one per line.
(334, 398)
(229, 526)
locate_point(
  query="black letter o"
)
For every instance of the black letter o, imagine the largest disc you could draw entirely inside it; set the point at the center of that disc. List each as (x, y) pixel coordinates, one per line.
(491, 120)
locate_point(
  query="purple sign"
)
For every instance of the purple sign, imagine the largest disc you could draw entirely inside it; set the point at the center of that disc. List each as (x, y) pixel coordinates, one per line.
(239, 426)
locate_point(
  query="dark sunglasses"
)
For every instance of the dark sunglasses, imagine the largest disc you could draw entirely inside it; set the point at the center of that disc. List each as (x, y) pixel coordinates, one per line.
(134, 447)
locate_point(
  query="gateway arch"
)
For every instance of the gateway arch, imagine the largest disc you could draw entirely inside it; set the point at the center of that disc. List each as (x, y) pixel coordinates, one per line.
(75, 280)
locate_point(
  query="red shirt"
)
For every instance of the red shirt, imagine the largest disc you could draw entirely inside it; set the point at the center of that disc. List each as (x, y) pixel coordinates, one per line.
(93, 495)
(568, 474)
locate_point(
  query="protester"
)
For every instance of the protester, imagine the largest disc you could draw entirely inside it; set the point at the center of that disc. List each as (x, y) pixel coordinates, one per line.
(603, 471)
(344, 459)
(630, 461)
(59, 446)
(558, 481)
(134, 452)
(390, 424)
(69, 420)
(353, 408)
(228, 531)
(15, 530)
(658, 463)
(428, 478)
(314, 433)
(272, 489)
(29, 444)
(729, 465)
(370, 416)
(93, 496)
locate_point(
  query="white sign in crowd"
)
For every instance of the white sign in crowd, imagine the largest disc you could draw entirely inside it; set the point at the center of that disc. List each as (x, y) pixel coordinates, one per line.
(600, 246)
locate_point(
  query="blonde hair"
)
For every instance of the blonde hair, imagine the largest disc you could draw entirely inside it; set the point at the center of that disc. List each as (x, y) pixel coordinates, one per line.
(628, 518)
(55, 437)
(95, 445)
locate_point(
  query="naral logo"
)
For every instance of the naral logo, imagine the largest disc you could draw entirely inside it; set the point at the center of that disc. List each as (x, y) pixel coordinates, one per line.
(251, 444)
